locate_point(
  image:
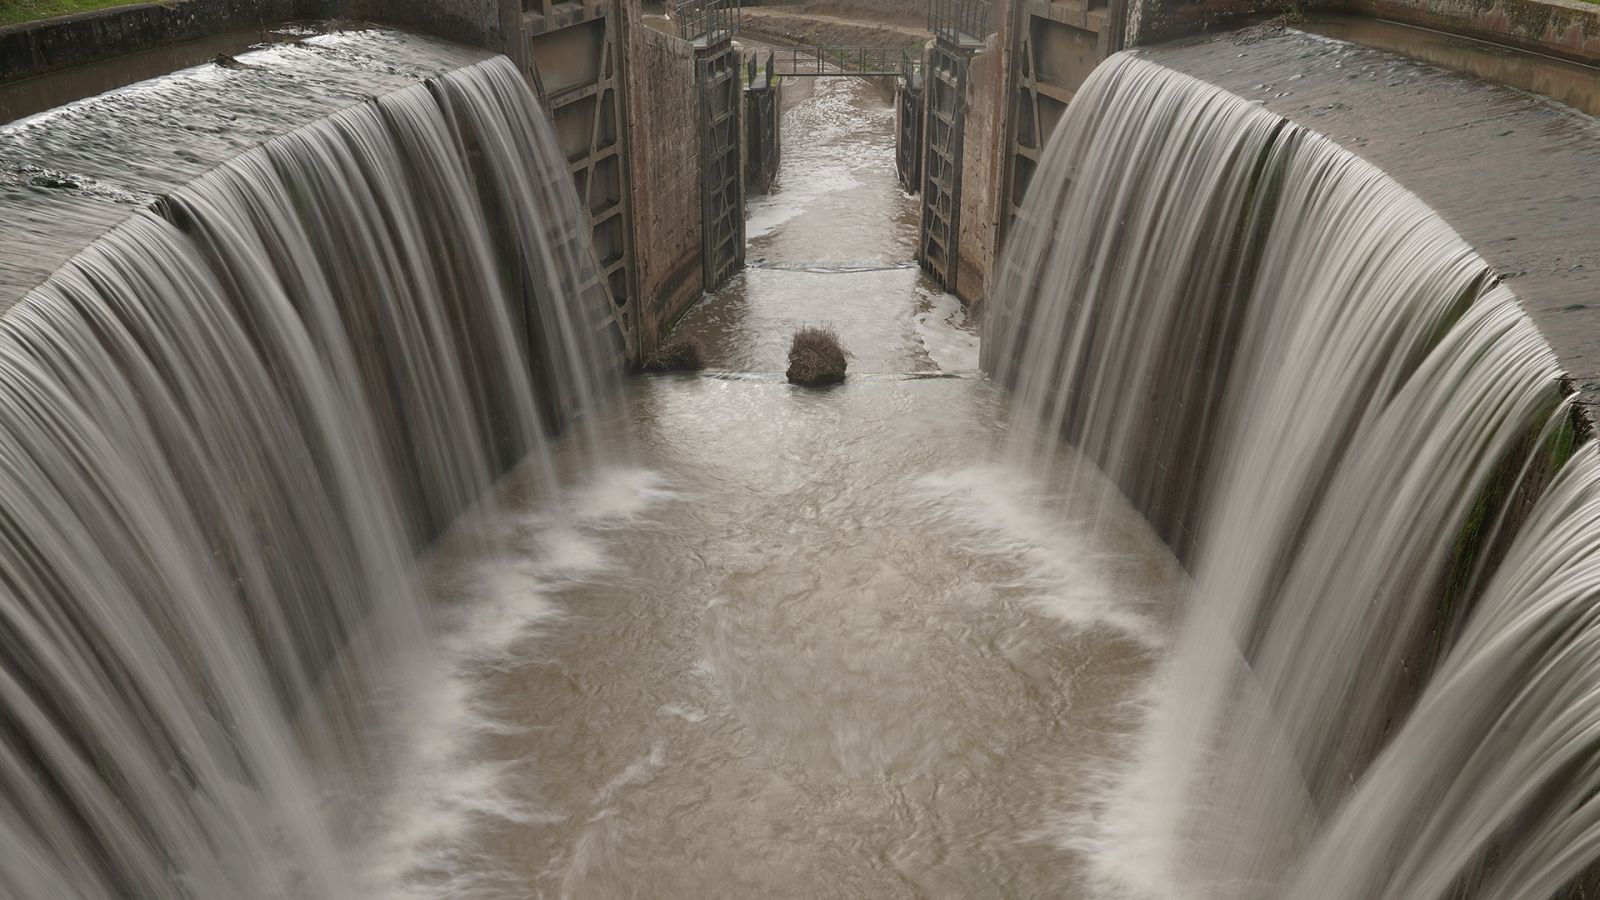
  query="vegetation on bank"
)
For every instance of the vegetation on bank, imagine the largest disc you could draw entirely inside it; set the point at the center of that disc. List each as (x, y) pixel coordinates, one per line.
(13, 12)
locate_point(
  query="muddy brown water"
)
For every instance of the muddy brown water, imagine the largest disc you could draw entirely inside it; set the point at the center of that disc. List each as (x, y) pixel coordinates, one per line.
(792, 643)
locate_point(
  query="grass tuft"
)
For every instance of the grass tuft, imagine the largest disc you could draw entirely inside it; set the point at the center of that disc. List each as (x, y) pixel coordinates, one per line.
(678, 353)
(816, 357)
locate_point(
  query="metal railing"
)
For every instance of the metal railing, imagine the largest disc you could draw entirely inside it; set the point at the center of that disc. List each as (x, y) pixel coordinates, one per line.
(757, 76)
(816, 62)
(706, 22)
(960, 22)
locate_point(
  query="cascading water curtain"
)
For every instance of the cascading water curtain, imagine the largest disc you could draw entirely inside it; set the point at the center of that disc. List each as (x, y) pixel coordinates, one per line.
(1384, 682)
(224, 430)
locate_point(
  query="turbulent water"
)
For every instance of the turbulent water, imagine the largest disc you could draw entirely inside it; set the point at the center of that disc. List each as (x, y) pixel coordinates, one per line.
(301, 594)
(229, 424)
(273, 628)
(1318, 393)
(810, 643)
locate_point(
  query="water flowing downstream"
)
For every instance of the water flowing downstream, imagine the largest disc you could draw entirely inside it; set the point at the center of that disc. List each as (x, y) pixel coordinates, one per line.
(808, 643)
(1320, 396)
(1252, 554)
(268, 635)
(229, 424)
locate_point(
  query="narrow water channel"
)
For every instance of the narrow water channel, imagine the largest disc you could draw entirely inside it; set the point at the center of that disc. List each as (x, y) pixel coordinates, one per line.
(792, 643)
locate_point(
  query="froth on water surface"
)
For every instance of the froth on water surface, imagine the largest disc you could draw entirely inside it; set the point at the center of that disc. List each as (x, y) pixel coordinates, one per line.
(817, 648)
(1356, 438)
(806, 644)
(230, 421)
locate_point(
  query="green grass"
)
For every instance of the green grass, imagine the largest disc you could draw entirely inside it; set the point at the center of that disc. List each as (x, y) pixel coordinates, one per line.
(14, 11)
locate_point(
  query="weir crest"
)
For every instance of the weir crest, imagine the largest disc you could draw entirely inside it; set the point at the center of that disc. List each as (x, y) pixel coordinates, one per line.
(1263, 564)
(1347, 429)
(230, 422)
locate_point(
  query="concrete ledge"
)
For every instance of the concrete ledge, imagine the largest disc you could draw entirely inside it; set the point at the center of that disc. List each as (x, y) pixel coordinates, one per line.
(1156, 21)
(1571, 83)
(49, 45)
(1569, 29)
(1517, 176)
(68, 179)
(35, 48)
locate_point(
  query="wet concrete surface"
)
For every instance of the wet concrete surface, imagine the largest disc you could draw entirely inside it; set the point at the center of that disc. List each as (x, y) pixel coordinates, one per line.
(1569, 83)
(1517, 175)
(69, 174)
(27, 96)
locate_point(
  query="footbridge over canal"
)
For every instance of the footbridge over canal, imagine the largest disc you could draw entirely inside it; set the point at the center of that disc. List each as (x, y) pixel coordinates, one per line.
(822, 62)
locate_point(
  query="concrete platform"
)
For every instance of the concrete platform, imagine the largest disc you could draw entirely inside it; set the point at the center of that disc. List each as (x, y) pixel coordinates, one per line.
(1517, 175)
(69, 175)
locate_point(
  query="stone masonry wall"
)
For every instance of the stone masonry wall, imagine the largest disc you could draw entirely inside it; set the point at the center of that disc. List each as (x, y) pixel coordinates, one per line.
(983, 135)
(664, 128)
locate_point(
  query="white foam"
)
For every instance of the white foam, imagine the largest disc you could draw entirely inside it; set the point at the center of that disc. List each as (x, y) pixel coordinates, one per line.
(951, 341)
(1125, 858)
(1001, 511)
(799, 192)
(510, 592)
(640, 771)
(686, 713)
(621, 496)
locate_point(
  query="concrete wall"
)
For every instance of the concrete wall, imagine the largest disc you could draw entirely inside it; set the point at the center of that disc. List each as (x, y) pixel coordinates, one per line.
(483, 23)
(980, 174)
(1154, 21)
(33, 48)
(664, 130)
(1564, 28)
(1568, 29)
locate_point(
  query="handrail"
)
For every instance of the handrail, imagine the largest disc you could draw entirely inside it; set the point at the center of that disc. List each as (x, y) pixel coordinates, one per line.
(706, 22)
(814, 62)
(963, 23)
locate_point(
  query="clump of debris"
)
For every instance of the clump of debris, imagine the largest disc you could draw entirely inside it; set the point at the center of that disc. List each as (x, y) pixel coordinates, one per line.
(678, 353)
(816, 357)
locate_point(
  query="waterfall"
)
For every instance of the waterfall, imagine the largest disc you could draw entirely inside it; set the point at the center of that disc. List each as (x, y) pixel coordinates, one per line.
(1350, 433)
(227, 426)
